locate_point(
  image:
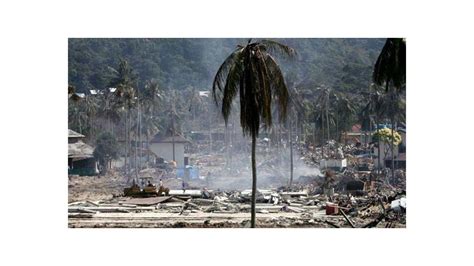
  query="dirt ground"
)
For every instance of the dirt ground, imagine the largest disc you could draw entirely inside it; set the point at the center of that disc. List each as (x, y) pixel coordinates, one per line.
(82, 188)
(316, 219)
(109, 189)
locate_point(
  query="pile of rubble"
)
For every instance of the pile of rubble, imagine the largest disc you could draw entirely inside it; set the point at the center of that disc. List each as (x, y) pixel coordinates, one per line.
(274, 208)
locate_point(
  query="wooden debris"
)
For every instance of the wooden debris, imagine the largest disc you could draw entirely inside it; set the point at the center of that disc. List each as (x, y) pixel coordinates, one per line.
(80, 215)
(146, 201)
(347, 218)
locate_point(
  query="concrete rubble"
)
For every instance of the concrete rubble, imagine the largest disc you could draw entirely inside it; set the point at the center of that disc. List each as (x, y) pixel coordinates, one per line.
(380, 208)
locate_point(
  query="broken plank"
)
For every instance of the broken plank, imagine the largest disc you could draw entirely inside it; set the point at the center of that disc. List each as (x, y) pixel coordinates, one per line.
(347, 219)
(147, 201)
(294, 194)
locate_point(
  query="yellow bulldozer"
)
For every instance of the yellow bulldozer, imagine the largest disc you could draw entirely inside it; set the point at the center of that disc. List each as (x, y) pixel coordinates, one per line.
(148, 190)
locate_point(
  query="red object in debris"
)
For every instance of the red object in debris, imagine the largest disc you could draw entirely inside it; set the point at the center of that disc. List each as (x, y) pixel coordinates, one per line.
(331, 209)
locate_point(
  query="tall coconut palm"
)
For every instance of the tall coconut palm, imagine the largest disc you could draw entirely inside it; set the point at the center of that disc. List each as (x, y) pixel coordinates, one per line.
(124, 80)
(324, 115)
(373, 109)
(393, 108)
(390, 70)
(296, 108)
(151, 97)
(252, 72)
(109, 109)
(323, 100)
(173, 118)
(150, 104)
(344, 111)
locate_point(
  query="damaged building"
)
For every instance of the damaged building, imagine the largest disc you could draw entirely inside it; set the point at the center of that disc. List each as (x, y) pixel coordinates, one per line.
(170, 149)
(81, 159)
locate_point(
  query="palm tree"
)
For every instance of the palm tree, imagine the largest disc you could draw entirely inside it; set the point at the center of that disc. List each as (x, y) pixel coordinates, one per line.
(325, 96)
(151, 96)
(393, 108)
(390, 70)
(173, 117)
(344, 110)
(324, 116)
(77, 115)
(196, 103)
(390, 67)
(109, 109)
(373, 109)
(251, 72)
(124, 80)
(297, 108)
(150, 103)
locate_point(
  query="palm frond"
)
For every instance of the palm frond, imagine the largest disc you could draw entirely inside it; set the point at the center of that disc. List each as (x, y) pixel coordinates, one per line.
(278, 86)
(278, 48)
(390, 67)
(219, 82)
(231, 87)
(252, 73)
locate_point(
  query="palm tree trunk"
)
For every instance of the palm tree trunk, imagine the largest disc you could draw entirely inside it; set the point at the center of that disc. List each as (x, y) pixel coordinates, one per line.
(254, 182)
(174, 155)
(393, 149)
(129, 128)
(327, 127)
(147, 136)
(210, 133)
(279, 145)
(327, 116)
(226, 145)
(136, 143)
(378, 152)
(322, 137)
(291, 158)
(126, 142)
(314, 133)
(296, 126)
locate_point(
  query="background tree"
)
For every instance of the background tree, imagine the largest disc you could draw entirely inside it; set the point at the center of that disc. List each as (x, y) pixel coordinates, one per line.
(106, 150)
(251, 72)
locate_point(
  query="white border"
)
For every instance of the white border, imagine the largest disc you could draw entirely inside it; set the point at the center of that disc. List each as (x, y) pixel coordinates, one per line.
(33, 60)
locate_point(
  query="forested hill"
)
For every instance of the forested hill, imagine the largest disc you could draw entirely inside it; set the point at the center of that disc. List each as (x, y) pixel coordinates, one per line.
(344, 64)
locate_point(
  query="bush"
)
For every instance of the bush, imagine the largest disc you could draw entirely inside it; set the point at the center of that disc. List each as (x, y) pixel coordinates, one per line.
(106, 149)
(385, 135)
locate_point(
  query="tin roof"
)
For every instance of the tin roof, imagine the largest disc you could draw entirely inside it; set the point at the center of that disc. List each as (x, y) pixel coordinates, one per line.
(80, 150)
